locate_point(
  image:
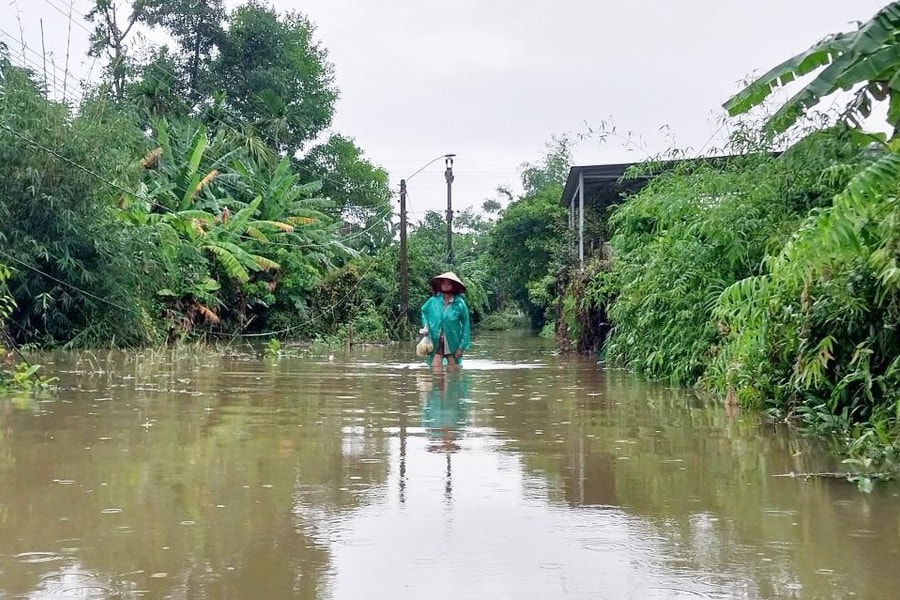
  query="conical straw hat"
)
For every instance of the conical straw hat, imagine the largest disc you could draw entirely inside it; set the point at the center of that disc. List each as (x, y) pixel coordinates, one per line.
(449, 276)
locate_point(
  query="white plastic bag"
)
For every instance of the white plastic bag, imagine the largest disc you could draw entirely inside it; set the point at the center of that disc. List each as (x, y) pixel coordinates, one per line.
(425, 345)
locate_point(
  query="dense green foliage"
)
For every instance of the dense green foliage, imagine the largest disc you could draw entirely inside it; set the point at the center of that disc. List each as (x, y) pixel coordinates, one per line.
(160, 206)
(817, 333)
(693, 231)
(75, 272)
(528, 239)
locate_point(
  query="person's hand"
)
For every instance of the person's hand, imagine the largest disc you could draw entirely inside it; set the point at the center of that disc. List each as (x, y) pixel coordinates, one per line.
(458, 354)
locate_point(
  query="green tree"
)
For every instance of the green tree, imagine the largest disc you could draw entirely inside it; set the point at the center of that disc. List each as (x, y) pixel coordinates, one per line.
(358, 189)
(80, 274)
(196, 27)
(550, 172)
(275, 75)
(530, 232)
(491, 206)
(523, 244)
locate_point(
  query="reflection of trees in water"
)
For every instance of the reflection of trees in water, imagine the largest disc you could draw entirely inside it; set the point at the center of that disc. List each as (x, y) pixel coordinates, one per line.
(684, 484)
(202, 494)
(699, 479)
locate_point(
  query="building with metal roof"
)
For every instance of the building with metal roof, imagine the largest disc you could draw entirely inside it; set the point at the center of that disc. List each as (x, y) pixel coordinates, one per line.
(597, 187)
(591, 189)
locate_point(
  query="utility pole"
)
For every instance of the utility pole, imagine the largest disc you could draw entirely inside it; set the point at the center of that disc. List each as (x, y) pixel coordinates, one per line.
(404, 265)
(448, 175)
(404, 260)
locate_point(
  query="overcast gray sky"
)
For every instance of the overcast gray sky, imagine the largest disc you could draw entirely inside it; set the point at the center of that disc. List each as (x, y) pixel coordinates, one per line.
(493, 80)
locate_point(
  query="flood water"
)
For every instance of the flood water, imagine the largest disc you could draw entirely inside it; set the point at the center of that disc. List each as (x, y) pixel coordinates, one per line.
(363, 475)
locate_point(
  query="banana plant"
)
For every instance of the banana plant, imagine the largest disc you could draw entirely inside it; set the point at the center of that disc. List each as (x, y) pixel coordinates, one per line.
(869, 56)
(285, 200)
(223, 237)
(190, 168)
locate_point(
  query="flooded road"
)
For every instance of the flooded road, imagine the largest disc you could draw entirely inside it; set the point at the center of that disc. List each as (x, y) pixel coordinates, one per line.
(362, 474)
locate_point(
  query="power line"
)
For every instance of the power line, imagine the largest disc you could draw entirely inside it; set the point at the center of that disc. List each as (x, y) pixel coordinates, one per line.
(68, 16)
(37, 67)
(67, 284)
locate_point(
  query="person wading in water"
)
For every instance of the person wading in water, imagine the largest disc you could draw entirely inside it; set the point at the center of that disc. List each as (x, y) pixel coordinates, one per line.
(445, 318)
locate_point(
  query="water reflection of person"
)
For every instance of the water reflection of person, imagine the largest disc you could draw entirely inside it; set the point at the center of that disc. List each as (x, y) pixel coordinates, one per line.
(444, 397)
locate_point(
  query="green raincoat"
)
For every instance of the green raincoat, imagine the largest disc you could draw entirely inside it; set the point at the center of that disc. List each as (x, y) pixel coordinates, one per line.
(452, 320)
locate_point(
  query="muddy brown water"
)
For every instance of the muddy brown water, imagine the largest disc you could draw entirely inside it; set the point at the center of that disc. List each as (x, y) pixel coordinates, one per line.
(362, 474)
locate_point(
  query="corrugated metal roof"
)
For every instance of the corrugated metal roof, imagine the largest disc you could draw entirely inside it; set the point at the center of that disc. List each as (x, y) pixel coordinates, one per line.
(603, 184)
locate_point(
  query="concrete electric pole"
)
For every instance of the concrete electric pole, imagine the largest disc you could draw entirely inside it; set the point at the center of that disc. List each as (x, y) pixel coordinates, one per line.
(404, 265)
(448, 175)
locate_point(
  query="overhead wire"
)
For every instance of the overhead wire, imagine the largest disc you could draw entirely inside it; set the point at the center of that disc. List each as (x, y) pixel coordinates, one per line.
(67, 284)
(66, 14)
(38, 68)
